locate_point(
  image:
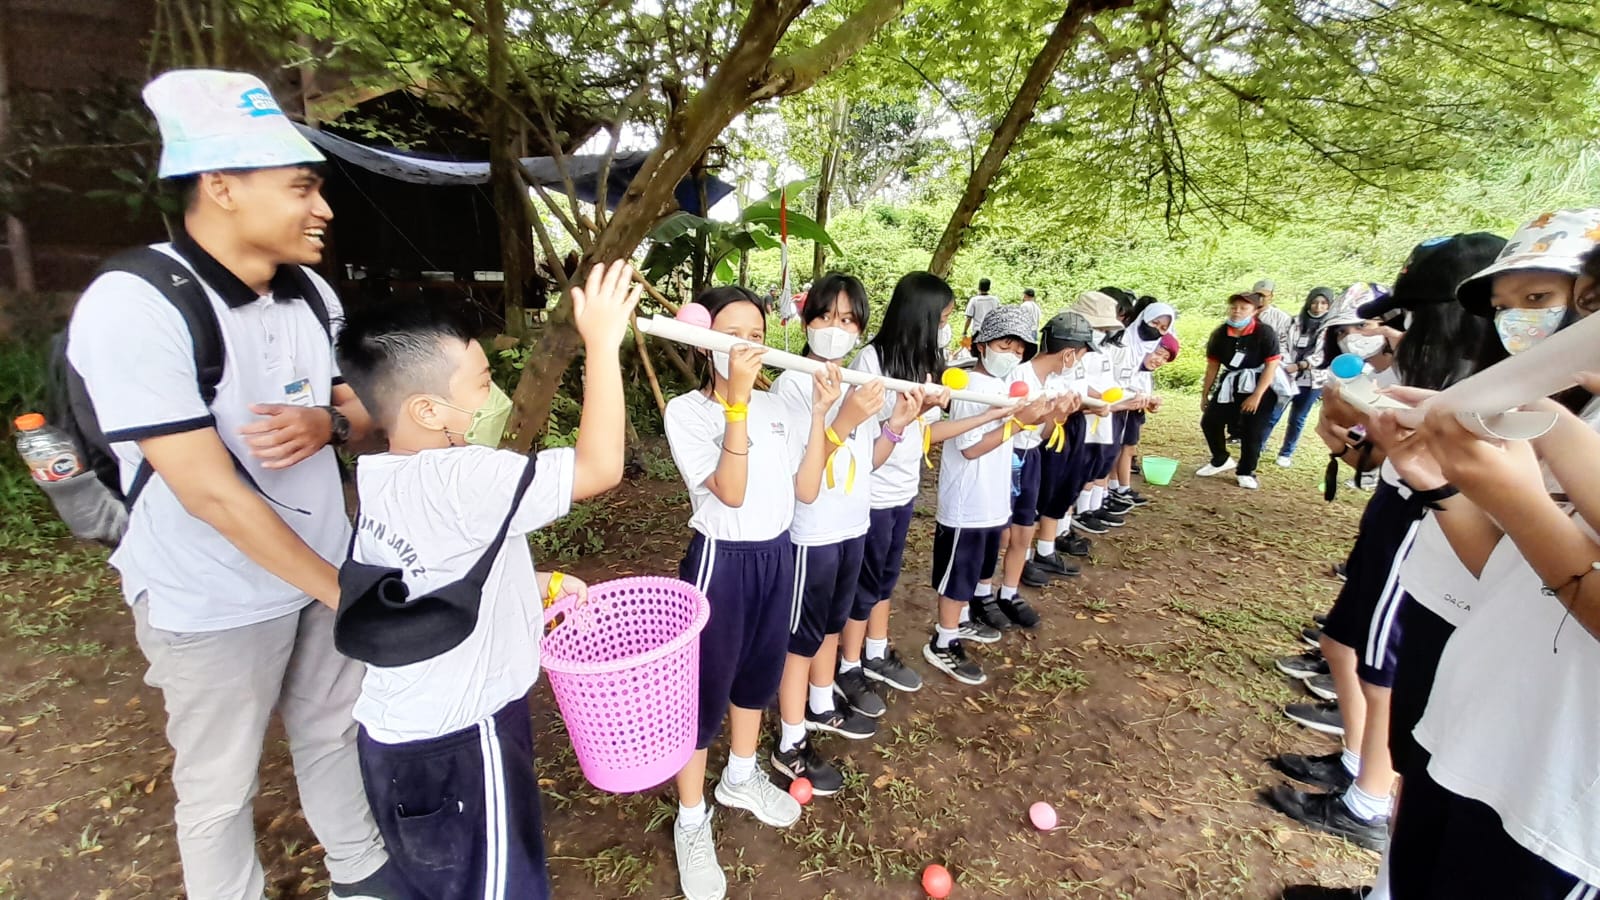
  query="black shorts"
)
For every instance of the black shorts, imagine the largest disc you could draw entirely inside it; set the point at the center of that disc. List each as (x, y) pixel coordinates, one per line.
(1446, 847)
(881, 557)
(1418, 662)
(962, 557)
(1025, 479)
(1364, 616)
(459, 814)
(825, 581)
(1133, 428)
(1063, 473)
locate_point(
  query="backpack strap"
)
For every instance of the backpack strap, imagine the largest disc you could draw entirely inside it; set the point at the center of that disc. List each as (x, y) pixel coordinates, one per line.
(479, 573)
(313, 297)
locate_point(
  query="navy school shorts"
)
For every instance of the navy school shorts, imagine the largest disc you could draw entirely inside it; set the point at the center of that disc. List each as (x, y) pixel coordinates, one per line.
(1133, 428)
(1064, 473)
(1365, 614)
(881, 557)
(962, 557)
(1026, 473)
(825, 580)
(742, 649)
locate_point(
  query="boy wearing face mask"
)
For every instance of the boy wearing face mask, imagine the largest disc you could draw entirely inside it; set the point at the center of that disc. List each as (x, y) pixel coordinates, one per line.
(975, 496)
(1102, 432)
(829, 535)
(445, 742)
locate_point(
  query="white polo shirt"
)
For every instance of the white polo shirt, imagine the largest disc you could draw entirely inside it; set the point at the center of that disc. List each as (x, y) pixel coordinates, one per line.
(895, 483)
(136, 357)
(1099, 374)
(843, 511)
(432, 515)
(695, 426)
(975, 493)
(1022, 438)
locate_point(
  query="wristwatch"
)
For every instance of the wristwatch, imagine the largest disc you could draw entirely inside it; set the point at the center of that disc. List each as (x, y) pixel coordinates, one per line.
(340, 434)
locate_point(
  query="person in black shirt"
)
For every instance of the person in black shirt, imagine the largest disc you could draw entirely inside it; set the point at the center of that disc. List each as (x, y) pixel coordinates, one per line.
(1241, 361)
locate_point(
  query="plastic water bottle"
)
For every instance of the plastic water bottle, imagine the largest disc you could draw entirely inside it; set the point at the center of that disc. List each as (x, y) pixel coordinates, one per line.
(47, 450)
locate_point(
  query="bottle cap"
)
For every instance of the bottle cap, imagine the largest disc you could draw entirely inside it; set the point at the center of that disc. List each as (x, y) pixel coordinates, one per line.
(29, 422)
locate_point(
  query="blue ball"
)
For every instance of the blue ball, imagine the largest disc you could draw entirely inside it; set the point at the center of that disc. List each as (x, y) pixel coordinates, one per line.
(1347, 366)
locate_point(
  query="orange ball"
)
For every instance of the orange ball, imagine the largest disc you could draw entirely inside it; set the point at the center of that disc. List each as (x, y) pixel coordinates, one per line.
(936, 881)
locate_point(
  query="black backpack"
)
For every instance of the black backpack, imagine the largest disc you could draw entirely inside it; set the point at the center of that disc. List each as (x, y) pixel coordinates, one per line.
(68, 405)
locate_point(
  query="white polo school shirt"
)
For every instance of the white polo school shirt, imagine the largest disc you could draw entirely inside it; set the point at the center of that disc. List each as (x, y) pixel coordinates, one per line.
(136, 357)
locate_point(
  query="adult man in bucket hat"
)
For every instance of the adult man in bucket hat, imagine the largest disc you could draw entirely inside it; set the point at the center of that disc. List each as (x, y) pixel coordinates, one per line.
(237, 508)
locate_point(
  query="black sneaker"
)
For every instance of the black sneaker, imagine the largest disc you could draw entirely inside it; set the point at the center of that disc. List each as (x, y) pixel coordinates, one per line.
(850, 724)
(1303, 665)
(1074, 545)
(1108, 517)
(1326, 771)
(1340, 572)
(1056, 565)
(1320, 620)
(952, 661)
(1135, 498)
(1019, 612)
(1118, 504)
(853, 688)
(1312, 637)
(1322, 687)
(804, 762)
(892, 671)
(987, 612)
(1090, 523)
(1327, 812)
(1323, 717)
(973, 630)
(380, 885)
(1033, 576)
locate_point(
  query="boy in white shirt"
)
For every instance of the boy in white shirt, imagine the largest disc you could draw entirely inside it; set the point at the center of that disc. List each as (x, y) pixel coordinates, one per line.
(440, 596)
(975, 497)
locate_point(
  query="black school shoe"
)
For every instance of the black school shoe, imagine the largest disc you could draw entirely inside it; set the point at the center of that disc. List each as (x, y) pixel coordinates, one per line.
(1055, 565)
(1327, 813)
(804, 762)
(856, 692)
(1326, 771)
(1074, 545)
(1019, 612)
(1090, 523)
(986, 610)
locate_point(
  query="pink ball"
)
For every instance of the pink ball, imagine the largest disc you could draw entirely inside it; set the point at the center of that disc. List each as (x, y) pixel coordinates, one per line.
(1043, 816)
(694, 314)
(1019, 389)
(800, 789)
(936, 881)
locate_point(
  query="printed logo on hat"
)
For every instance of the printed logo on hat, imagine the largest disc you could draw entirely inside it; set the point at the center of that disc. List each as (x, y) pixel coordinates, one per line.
(258, 102)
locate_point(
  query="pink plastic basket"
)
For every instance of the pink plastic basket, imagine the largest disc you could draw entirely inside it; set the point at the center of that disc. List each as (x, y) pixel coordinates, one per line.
(625, 670)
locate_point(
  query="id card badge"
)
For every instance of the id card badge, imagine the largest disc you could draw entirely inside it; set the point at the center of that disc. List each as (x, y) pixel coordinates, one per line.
(1238, 360)
(298, 393)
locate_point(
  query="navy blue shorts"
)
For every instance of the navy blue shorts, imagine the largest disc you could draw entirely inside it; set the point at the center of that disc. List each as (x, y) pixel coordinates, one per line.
(885, 549)
(1446, 846)
(1025, 480)
(1364, 615)
(1133, 428)
(1103, 460)
(1418, 663)
(825, 580)
(962, 557)
(1064, 473)
(459, 814)
(743, 646)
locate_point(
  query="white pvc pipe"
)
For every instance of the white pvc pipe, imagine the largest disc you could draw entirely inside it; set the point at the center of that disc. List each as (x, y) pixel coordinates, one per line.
(673, 330)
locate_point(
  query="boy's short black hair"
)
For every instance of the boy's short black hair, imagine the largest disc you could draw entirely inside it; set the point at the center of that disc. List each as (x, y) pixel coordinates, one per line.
(983, 285)
(391, 351)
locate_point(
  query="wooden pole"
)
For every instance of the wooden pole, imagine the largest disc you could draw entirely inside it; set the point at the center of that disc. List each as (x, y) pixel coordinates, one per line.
(16, 232)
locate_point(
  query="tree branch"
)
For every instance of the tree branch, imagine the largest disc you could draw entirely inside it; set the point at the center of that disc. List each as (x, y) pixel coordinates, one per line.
(801, 69)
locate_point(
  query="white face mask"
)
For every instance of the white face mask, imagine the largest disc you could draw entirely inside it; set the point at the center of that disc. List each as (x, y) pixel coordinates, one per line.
(1365, 346)
(945, 335)
(719, 361)
(830, 343)
(999, 363)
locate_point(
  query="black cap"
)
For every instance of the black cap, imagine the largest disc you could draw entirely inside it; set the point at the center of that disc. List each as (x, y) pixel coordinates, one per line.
(1066, 329)
(1433, 271)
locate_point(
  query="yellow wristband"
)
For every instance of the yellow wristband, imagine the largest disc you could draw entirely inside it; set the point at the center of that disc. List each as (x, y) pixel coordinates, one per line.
(732, 412)
(554, 589)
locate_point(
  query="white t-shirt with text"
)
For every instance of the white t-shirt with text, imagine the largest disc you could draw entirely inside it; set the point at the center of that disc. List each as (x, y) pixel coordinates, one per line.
(895, 483)
(695, 427)
(843, 511)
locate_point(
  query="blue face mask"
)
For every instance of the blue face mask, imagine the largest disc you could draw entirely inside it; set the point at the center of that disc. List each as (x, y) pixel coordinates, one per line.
(1240, 323)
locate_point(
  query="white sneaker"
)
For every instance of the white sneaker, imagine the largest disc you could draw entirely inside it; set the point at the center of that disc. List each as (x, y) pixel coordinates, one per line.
(761, 798)
(699, 873)
(1208, 470)
(1285, 461)
(1249, 482)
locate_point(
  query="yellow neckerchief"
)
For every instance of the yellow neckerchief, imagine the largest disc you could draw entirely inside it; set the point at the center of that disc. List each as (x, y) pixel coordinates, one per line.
(732, 412)
(838, 444)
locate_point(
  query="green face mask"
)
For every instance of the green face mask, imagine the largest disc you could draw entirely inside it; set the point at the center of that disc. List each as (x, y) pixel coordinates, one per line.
(489, 420)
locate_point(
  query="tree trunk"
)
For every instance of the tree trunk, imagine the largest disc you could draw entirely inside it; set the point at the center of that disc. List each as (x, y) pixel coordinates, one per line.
(503, 175)
(825, 180)
(16, 233)
(748, 74)
(1016, 119)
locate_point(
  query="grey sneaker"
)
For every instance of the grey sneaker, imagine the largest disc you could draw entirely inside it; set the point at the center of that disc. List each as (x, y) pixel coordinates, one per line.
(699, 874)
(761, 798)
(853, 688)
(891, 670)
(978, 632)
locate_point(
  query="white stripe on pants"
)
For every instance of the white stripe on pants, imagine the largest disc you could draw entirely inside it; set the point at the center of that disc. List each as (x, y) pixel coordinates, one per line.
(494, 811)
(220, 689)
(1388, 602)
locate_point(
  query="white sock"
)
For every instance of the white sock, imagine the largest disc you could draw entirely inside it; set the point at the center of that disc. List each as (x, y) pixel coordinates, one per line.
(943, 636)
(1363, 805)
(1116, 485)
(820, 699)
(1099, 499)
(1352, 761)
(1085, 501)
(1007, 592)
(966, 613)
(1044, 549)
(692, 817)
(850, 665)
(983, 590)
(740, 769)
(790, 736)
(877, 648)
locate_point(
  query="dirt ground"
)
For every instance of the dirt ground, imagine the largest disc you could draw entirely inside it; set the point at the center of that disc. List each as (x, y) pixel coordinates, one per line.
(1143, 710)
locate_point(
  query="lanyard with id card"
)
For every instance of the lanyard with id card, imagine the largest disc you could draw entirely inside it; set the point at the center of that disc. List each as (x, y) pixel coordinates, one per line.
(298, 393)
